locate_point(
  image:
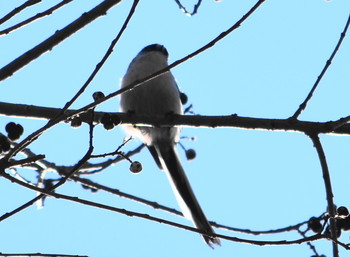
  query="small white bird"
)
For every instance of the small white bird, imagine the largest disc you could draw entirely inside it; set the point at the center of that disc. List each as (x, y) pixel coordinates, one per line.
(161, 96)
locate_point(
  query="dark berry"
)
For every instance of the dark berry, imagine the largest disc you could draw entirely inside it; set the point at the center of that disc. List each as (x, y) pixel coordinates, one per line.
(343, 211)
(115, 119)
(93, 190)
(315, 224)
(76, 122)
(4, 144)
(85, 187)
(98, 95)
(190, 154)
(183, 98)
(107, 121)
(14, 131)
(108, 126)
(344, 224)
(135, 167)
(10, 127)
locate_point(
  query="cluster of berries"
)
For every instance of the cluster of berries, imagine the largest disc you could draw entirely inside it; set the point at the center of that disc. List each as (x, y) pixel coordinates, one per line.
(342, 221)
(14, 132)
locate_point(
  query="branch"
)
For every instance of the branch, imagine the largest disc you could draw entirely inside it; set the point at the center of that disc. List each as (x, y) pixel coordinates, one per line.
(56, 38)
(230, 121)
(6, 72)
(105, 57)
(328, 63)
(39, 255)
(183, 8)
(18, 10)
(58, 184)
(35, 17)
(162, 221)
(327, 181)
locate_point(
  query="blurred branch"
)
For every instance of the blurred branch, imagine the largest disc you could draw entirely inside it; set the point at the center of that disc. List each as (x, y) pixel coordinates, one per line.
(35, 17)
(328, 63)
(56, 38)
(18, 10)
(339, 126)
(327, 181)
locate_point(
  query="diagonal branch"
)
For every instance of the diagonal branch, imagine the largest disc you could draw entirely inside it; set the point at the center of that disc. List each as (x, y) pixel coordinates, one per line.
(85, 158)
(105, 57)
(7, 70)
(56, 38)
(328, 63)
(35, 17)
(18, 10)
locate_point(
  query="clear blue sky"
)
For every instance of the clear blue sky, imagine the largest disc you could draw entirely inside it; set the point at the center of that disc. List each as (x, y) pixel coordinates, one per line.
(243, 178)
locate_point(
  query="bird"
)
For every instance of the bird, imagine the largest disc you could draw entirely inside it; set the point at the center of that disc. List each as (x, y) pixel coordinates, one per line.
(161, 96)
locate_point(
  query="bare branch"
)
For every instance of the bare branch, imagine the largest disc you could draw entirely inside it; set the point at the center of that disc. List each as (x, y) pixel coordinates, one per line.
(162, 221)
(105, 57)
(339, 126)
(16, 64)
(39, 255)
(328, 63)
(18, 10)
(58, 184)
(35, 17)
(327, 181)
(56, 38)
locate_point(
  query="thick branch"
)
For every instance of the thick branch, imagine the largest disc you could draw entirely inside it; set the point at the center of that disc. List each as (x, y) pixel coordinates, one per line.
(232, 121)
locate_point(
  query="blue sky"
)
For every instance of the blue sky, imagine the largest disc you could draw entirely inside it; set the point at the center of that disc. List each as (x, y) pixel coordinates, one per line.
(249, 179)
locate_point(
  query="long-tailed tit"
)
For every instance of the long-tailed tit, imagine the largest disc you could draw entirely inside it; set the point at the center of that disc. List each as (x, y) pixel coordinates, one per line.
(161, 96)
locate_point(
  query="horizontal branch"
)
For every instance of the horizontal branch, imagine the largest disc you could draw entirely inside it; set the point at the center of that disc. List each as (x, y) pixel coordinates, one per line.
(228, 121)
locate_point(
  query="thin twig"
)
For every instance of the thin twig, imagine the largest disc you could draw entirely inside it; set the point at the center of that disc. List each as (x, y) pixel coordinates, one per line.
(328, 185)
(21, 162)
(56, 38)
(105, 57)
(183, 8)
(119, 193)
(328, 63)
(44, 191)
(18, 10)
(162, 221)
(35, 17)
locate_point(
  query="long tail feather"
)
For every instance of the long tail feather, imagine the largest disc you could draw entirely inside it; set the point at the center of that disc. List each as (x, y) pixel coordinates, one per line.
(183, 191)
